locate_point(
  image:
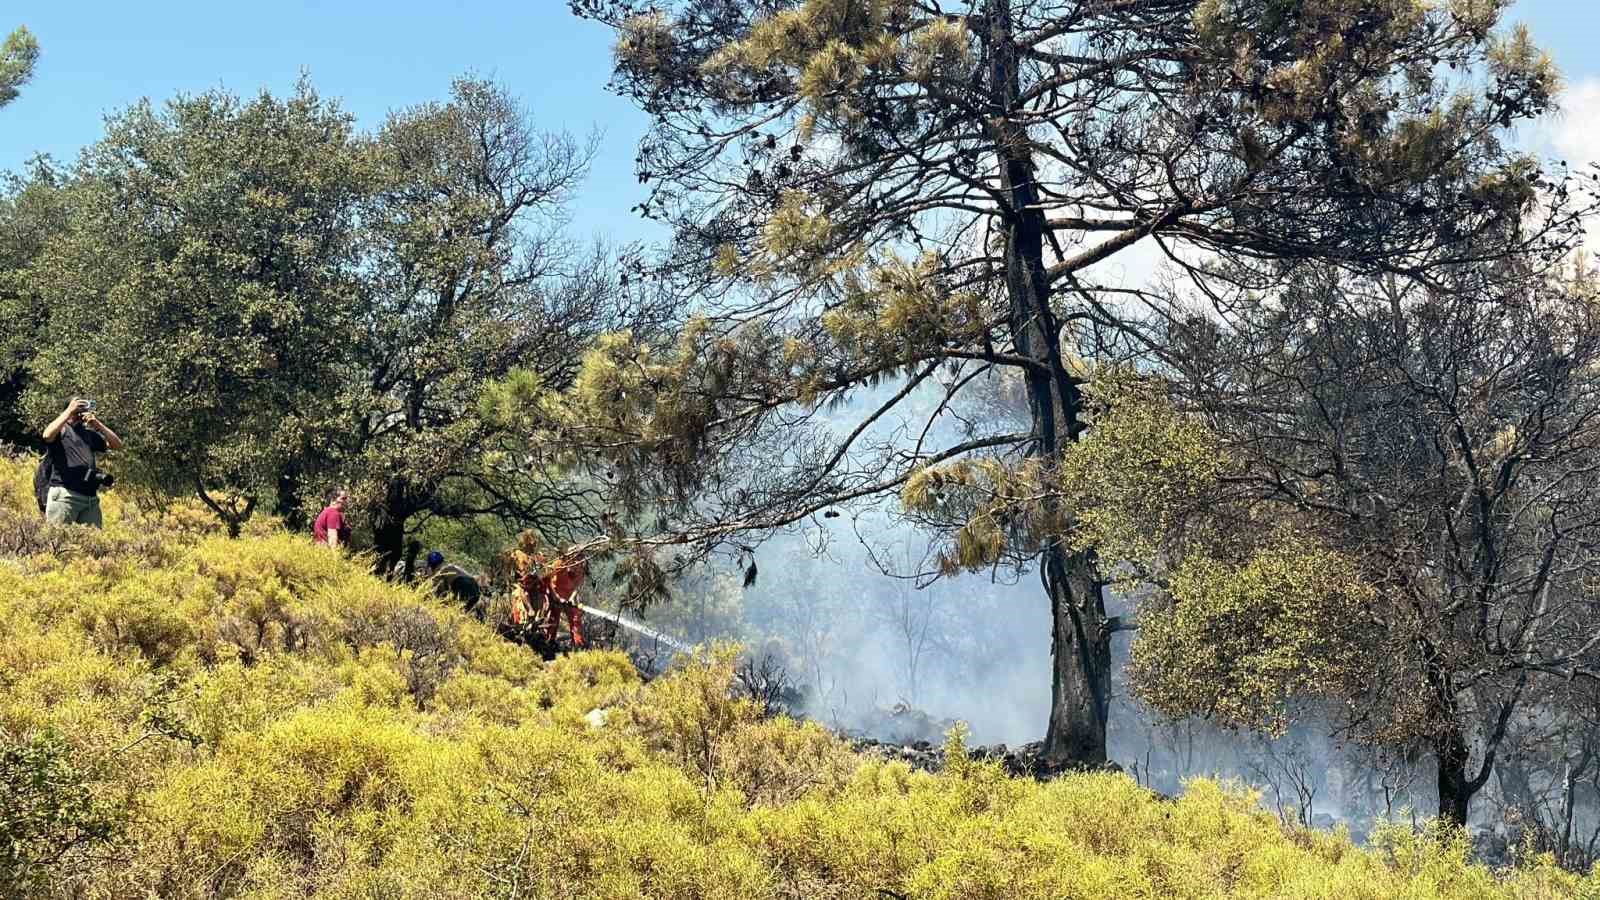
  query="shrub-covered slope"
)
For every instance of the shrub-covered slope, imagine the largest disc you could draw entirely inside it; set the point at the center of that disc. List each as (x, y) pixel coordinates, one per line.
(183, 715)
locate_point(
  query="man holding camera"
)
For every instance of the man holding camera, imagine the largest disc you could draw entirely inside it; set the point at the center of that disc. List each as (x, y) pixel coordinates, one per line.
(71, 442)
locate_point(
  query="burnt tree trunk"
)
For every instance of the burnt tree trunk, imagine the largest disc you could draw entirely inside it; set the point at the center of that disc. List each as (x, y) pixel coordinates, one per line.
(389, 526)
(1081, 662)
(1455, 787)
(1450, 750)
(1081, 642)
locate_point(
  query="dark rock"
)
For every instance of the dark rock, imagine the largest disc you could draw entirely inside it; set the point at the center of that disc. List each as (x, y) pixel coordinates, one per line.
(1019, 762)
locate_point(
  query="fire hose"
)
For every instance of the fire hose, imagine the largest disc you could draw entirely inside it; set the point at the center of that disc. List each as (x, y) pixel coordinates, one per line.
(638, 628)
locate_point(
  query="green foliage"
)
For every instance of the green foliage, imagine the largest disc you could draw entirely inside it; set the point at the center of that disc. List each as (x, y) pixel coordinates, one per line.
(17, 55)
(1138, 480)
(1243, 612)
(201, 289)
(245, 717)
(31, 212)
(1239, 642)
(899, 312)
(1001, 511)
(467, 283)
(51, 819)
(266, 302)
(1313, 516)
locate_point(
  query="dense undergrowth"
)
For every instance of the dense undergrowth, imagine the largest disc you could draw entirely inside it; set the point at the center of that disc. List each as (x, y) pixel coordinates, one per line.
(183, 715)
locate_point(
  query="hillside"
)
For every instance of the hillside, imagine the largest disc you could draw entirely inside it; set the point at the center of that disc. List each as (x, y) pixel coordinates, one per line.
(183, 715)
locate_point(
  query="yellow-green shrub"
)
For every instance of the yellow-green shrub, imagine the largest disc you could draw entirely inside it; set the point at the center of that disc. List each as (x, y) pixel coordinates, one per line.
(277, 723)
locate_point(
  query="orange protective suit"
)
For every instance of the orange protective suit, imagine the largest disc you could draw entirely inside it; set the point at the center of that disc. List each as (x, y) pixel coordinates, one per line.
(556, 584)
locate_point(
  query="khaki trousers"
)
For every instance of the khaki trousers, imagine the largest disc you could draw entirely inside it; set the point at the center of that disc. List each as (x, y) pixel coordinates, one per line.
(64, 507)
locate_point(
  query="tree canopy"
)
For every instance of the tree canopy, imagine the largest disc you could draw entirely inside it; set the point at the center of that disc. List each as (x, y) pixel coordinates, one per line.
(205, 288)
(271, 302)
(1364, 498)
(469, 280)
(18, 54)
(872, 200)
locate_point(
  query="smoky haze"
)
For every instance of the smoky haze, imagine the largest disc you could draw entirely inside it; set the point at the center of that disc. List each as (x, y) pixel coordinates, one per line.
(972, 648)
(899, 658)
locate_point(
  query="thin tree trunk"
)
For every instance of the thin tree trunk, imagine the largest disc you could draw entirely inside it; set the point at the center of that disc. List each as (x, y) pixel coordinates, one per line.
(1081, 644)
(230, 518)
(289, 508)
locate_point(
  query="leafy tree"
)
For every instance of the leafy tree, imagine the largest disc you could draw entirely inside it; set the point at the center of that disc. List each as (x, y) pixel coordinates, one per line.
(923, 195)
(1370, 497)
(26, 215)
(469, 281)
(269, 301)
(32, 211)
(204, 289)
(18, 54)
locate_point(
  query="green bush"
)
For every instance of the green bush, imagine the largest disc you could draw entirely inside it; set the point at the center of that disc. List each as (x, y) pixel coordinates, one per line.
(51, 820)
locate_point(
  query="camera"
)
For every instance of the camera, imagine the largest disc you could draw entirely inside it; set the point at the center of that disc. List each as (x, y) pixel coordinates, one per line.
(88, 406)
(100, 480)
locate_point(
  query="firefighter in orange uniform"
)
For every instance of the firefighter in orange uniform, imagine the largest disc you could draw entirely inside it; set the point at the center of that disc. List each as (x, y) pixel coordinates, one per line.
(547, 590)
(560, 582)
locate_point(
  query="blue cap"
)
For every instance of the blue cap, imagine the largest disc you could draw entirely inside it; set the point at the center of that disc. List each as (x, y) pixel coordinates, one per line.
(435, 559)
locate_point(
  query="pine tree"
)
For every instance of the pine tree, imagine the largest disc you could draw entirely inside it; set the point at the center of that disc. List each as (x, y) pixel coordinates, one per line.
(931, 196)
(17, 57)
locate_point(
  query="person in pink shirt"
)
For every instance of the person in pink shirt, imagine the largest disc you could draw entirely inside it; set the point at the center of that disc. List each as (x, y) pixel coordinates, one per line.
(330, 527)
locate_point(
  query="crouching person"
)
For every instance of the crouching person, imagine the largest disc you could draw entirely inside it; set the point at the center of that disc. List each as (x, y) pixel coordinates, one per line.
(72, 444)
(450, 580)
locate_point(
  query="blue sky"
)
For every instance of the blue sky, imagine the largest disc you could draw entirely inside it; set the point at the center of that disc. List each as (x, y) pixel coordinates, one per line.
(98, 57)
(101, 56)
(1566, 28)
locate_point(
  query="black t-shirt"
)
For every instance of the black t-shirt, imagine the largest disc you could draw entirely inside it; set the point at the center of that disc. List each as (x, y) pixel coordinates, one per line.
(72, 458)
(454, 580)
